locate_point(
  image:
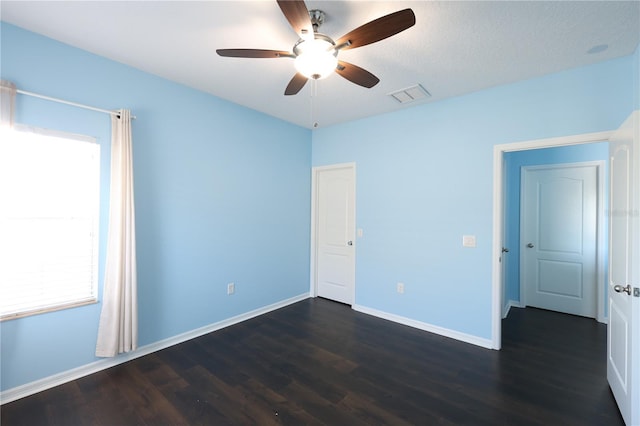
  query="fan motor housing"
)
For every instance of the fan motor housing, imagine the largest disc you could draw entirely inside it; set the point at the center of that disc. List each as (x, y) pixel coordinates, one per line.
(317, 18)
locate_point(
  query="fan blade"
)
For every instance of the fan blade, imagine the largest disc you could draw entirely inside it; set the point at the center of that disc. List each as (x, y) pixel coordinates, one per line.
(296, 84)
(253, 53)
(378, 29)
(357, 75)
(297, 14)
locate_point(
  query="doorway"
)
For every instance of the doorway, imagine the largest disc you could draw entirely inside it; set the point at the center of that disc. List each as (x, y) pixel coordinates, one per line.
(503, 237)
(333, 233)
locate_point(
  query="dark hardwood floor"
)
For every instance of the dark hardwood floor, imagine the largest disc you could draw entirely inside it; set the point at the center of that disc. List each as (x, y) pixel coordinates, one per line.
(319, 362)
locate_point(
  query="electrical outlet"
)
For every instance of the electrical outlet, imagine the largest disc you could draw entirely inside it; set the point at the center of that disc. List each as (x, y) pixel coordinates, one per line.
(231, 288)
(400, 288)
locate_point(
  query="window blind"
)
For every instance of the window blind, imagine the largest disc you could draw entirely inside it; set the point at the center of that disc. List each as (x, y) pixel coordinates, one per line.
(49, 221)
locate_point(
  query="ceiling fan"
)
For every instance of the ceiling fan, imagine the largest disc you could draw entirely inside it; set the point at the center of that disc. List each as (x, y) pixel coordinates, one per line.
(316, 54)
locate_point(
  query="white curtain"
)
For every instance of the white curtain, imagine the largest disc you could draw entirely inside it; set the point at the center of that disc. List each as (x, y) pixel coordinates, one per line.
(118, 329)
(7, 103)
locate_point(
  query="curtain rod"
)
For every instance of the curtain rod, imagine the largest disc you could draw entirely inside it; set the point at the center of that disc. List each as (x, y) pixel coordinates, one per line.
(62, 101)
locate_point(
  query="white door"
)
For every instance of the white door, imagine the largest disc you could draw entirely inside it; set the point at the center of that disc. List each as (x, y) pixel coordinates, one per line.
(558, 237)
(623, 348)
(335, 232)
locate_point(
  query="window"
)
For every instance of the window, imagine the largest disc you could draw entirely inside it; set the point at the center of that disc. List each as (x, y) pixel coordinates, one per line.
(49, 203)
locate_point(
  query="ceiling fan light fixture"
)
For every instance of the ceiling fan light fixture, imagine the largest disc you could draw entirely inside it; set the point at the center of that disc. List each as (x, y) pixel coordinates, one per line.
(317, 58)
(316, 55)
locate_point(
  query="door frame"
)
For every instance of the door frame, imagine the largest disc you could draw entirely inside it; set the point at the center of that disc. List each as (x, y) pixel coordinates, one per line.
(498, 214)
(313, 262)
(504, 306)
(600, 228)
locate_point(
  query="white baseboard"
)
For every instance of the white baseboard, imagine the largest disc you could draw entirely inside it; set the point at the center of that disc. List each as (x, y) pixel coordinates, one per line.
(31, 388)
(510, 304)
(467, 338)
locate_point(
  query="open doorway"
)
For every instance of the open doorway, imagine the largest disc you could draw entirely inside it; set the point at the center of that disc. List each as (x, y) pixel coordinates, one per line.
(555, 229)
(501, 294)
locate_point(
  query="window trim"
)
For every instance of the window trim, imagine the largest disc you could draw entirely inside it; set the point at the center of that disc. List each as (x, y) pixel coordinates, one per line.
(54, 133)
(53, 308)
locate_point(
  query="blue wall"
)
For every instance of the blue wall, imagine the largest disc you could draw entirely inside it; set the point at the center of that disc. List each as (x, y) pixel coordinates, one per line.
(513, 163)
(222, 194)
(424, 179)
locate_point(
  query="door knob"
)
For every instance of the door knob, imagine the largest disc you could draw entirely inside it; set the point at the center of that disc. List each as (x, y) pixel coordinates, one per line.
(530, 245)
(620, 289)
(349, 243)
(505, 250)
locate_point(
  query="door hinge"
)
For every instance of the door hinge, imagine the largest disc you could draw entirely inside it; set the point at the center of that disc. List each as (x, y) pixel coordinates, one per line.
(636, 291)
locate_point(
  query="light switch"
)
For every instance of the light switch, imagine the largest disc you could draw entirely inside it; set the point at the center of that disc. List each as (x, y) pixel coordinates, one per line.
(360, 232)
(468, 241)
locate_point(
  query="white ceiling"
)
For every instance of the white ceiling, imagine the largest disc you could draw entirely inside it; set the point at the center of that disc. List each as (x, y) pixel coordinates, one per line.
(456, 47)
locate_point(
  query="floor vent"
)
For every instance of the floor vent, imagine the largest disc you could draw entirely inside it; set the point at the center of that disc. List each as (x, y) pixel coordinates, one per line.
(410, 94)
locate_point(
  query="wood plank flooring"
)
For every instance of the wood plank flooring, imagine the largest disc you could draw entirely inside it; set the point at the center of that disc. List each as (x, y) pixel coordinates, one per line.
(319, 362)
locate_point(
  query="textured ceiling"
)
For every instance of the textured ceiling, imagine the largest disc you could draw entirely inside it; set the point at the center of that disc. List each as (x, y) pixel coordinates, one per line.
(456, 47)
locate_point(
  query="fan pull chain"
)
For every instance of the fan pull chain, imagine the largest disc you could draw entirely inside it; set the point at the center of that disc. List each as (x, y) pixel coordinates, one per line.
(314, 92)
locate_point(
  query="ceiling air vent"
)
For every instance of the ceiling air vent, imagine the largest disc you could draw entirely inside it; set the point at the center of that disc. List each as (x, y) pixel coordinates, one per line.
(410, 94)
